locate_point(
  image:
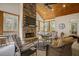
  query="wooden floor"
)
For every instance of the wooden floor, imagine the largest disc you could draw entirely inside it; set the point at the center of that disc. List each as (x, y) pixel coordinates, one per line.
(40, 53)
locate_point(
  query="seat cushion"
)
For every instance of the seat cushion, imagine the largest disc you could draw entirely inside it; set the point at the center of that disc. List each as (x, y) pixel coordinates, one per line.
(28, 52)
(61, 42)
(26, 47)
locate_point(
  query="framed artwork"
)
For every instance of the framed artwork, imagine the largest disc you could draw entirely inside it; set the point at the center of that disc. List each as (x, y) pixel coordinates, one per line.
(61, 26)
(10, 22)
(74, 28)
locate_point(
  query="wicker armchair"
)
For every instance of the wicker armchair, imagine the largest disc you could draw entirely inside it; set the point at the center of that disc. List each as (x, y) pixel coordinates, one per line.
(22, 47)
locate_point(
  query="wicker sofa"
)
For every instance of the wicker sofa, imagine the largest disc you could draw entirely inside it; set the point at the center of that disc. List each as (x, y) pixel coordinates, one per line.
(61, 47)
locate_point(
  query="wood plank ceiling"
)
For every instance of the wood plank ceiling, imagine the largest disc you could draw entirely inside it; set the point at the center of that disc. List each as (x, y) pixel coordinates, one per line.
(45, 12)
(49, 11)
